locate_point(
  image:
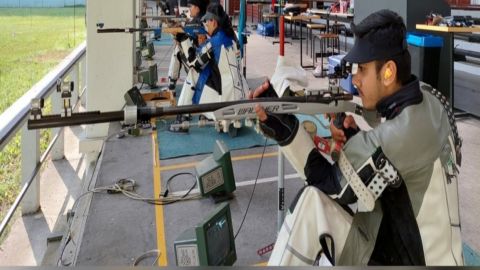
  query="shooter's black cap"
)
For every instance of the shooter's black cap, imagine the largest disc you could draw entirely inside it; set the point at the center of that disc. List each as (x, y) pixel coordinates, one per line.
(369, 47)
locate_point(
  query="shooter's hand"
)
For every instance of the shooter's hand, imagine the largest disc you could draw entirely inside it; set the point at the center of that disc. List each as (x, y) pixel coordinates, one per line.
(280, 127)
(347, 129)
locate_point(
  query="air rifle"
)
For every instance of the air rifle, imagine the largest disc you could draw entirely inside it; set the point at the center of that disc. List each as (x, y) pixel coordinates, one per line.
(167, 18)
(124, 30)
(313, 103)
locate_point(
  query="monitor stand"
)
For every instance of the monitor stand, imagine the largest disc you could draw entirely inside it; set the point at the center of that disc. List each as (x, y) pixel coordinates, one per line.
(222, 196)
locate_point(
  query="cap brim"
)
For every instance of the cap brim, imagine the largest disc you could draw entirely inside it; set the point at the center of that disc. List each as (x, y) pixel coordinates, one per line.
(364, 51)
(208, 16)
(358, 55)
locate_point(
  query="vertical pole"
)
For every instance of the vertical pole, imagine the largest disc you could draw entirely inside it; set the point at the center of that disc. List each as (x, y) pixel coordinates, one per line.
(281, 190)
(241, 25)
(83, 76)
(30, 158)
(242, 35)
(75, 77)
(451, 84)
(58, 150)
(281, 28)
(282, 36)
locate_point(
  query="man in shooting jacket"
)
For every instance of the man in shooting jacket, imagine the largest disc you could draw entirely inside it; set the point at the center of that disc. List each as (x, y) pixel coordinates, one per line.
(391, 198)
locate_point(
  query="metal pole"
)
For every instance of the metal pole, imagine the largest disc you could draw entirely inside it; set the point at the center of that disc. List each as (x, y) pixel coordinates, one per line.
(282, 28)
(282, 36)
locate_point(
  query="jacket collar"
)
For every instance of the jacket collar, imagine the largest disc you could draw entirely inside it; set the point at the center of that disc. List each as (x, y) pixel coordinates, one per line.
(217, 30)
(393, 105)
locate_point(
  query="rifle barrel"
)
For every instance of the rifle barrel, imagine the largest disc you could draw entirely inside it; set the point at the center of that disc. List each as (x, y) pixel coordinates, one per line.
(123, 30)
(145, 113)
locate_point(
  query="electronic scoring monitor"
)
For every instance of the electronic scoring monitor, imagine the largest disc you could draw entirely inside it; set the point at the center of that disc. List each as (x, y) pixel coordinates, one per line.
(210, 243)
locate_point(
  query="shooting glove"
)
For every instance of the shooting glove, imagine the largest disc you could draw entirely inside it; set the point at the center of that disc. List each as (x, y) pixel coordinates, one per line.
(338, 123)
(279, 127)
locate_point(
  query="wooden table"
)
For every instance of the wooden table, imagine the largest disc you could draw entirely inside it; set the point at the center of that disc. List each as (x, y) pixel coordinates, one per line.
(292, 19)
(446, 29)
(448, 34)
(327, 15)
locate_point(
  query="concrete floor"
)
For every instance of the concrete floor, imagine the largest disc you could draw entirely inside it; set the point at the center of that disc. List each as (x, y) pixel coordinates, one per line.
(116, 230)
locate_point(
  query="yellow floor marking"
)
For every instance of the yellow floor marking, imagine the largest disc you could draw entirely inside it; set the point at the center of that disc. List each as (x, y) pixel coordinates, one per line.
(161, 240)
(261, 264)
(237, 158)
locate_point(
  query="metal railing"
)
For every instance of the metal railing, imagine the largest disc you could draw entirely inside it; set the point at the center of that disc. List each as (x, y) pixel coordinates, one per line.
(15, 117)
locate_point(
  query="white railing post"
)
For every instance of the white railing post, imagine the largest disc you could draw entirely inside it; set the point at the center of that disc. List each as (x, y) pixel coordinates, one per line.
(58, 150)
(74, 76)
(30, 157)
(83, 75)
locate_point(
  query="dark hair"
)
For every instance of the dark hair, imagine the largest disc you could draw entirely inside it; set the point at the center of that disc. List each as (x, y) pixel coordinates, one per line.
(386, 28)
(224, 22)
(201, 4)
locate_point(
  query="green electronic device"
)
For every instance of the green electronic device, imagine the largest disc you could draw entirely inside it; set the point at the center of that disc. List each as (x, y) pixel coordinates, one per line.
(210, 243)
(138, 59)
(143, 41)
(149, 76)
(149, 51)
(143, 23)
(215, 174)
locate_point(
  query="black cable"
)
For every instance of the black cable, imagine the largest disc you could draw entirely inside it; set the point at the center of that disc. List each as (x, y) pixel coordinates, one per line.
(253, 191)
(167, 184)
(165, 193)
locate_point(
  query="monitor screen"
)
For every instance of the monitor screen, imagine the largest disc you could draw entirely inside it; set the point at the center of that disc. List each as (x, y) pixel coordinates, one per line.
(210, 242)
(215, 240)
(218, 241)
